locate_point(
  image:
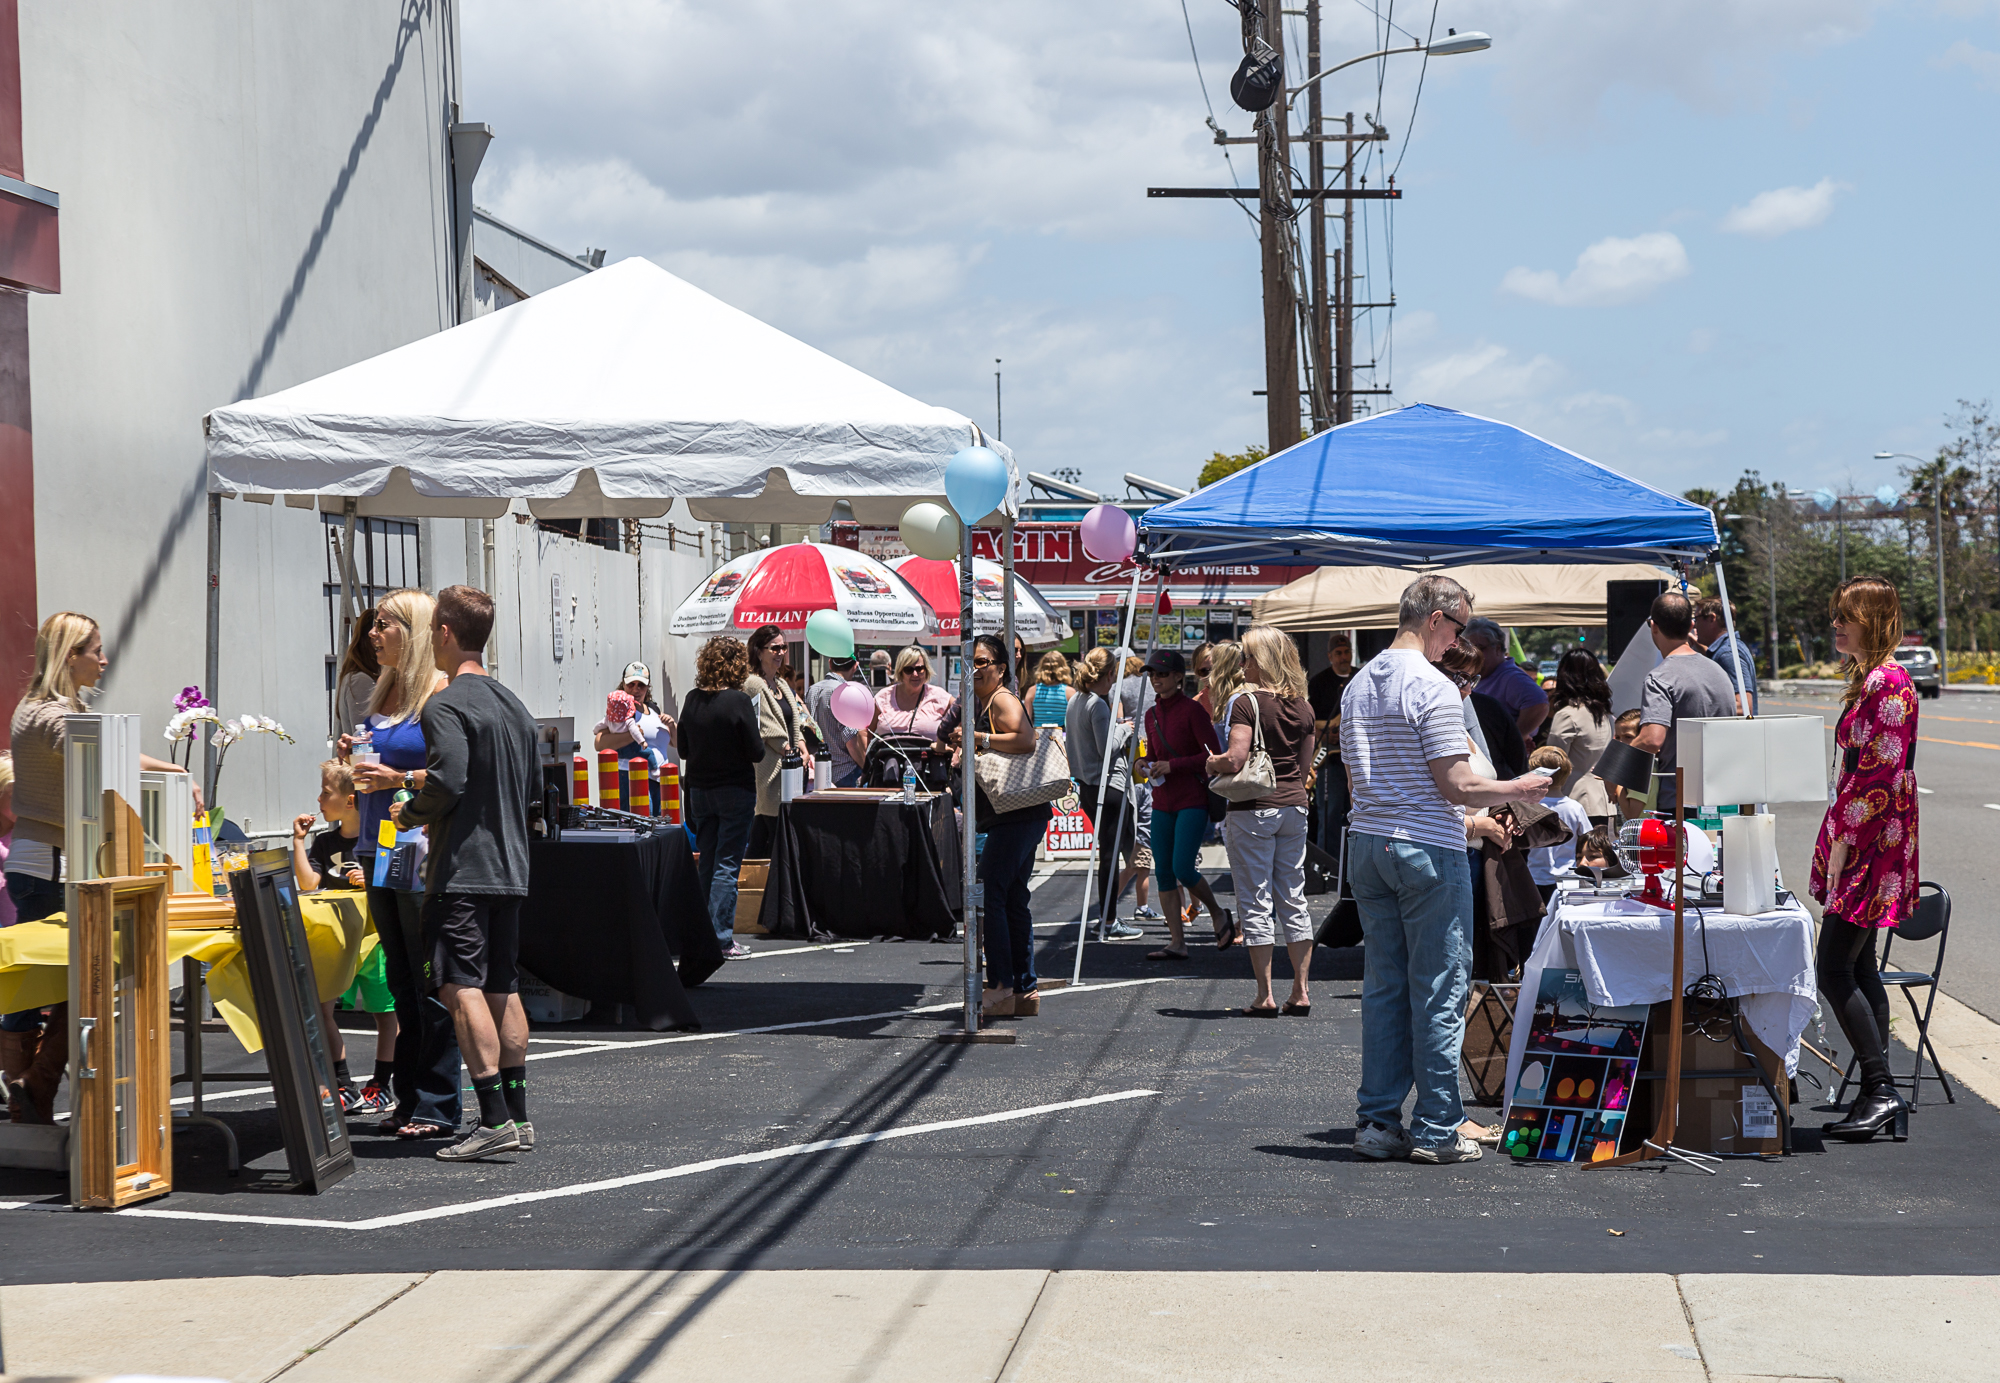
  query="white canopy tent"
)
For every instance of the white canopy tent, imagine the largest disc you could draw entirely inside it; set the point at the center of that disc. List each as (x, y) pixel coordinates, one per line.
(610, 396)
(1367, 597)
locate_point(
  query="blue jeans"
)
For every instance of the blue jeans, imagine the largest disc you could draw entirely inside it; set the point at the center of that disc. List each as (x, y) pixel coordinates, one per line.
(721, 818)
(1177, 840)
(1416, 912)
(1004, 867)
(34, 899)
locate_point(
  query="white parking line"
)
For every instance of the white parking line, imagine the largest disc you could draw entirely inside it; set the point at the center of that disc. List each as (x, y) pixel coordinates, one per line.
(1993, 806)
(853, 1140)
(1928, 792)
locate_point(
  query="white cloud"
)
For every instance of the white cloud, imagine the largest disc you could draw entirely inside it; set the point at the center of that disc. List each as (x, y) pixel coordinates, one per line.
(1784, 209)
(1985, 66)
(1481, 376)
(1615, 270)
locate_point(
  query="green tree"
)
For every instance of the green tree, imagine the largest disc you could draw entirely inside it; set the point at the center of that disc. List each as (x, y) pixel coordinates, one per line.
(1225, 463)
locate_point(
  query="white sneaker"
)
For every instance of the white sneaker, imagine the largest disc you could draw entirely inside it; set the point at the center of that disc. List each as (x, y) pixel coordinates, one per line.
(1460, 1149)
(1380, 1144)
(1150, 913)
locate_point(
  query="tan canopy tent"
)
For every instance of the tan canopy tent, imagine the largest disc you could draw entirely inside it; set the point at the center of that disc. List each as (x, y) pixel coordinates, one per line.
(1366, 597)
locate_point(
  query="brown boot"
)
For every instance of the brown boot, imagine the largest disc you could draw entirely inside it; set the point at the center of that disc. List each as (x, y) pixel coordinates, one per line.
(44, 1077)
(17, 1054)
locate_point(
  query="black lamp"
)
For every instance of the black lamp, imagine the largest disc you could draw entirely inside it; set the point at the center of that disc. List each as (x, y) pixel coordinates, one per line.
(1628, 768)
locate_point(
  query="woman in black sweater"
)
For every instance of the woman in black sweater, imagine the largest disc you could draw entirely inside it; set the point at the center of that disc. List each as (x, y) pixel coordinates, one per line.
(720, 745)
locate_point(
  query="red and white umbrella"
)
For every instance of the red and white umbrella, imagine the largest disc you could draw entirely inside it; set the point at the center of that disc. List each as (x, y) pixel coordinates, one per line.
(786, 585)
(1035, 620)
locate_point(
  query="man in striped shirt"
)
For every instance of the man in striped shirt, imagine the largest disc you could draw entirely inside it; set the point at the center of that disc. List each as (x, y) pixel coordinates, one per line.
(1404, 744)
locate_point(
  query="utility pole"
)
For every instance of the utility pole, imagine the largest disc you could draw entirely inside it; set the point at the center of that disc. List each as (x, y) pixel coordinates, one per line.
(998, 433)
(1274, 188)
(1322, 315)
(1937, 512)
(1343, 377)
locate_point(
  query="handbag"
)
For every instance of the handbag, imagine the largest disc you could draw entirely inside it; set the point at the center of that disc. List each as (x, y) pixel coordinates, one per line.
(1258, 777)
(1011, 781)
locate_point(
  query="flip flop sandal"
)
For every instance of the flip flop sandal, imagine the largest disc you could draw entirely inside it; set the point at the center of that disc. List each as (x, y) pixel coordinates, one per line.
(1164, 954)
(1254, 1012)
(1228, 934)
(425, 1129)
(1298, 1010)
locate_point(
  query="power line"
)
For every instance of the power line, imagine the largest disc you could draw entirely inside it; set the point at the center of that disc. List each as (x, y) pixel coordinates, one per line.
(1202, 81)
(1418, 100)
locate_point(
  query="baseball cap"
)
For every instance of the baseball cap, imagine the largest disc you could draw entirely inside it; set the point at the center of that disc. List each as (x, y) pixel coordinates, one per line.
(636, 672)
(1167, 660)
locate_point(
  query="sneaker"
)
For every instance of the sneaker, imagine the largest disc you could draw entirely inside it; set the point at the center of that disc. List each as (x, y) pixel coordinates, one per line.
(374, 1100)
(526, 1132)
(1380, 1144)
(1149, 913)
(738, 951)
(1119, 930)
(1459, 1149)
(350, 1100)
(482, 1142)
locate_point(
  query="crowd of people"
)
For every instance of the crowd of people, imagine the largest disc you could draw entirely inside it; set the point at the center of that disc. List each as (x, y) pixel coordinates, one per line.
(1424, 759)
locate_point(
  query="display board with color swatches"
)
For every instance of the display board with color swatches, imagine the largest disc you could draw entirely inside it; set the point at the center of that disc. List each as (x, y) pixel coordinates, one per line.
(1576, 1077)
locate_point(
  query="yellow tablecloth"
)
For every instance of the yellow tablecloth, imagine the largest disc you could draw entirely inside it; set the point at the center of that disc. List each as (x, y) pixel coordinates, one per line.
(34, 960)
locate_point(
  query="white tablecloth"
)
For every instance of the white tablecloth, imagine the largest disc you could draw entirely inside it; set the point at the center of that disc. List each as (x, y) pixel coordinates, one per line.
(1624, 949)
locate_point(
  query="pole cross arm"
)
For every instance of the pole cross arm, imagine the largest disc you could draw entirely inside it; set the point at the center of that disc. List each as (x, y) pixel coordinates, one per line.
(1298, 194)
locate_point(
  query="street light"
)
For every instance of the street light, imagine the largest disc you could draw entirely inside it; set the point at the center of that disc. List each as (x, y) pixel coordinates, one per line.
(1937, 532)
(1450, 45)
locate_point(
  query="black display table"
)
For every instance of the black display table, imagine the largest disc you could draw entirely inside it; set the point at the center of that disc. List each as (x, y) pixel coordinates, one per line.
(606, 919)
(860, 867)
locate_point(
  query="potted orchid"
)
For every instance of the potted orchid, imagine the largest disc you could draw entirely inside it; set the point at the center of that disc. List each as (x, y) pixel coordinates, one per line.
(191, 711)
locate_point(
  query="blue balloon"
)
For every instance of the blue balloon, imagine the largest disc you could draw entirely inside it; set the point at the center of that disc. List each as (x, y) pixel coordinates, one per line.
(975, 481)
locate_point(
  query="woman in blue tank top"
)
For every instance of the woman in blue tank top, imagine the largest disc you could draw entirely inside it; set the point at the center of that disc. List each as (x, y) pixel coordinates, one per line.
(1049, 705)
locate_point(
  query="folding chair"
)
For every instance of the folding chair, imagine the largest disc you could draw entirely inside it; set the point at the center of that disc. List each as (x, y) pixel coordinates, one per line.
(1931, 918)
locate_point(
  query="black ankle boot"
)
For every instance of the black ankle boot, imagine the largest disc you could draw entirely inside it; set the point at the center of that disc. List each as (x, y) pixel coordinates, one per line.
(1881, 1107)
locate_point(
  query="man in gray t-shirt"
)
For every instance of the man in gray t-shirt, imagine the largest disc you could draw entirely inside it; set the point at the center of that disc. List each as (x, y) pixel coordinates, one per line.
(1685, 686)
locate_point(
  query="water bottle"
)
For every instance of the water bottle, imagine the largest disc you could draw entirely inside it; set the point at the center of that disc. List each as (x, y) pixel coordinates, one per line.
(364, 746)
(909, 783)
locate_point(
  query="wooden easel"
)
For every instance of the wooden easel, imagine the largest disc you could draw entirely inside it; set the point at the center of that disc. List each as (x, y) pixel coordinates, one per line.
(1661, 1144)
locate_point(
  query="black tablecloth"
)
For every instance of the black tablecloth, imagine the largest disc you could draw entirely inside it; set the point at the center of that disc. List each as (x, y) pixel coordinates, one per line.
(605, 920)
(858, 868)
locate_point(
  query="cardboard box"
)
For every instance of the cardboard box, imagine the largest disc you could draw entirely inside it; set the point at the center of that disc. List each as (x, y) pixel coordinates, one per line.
(1718, 1114)
(547, 1004)
(750, 897)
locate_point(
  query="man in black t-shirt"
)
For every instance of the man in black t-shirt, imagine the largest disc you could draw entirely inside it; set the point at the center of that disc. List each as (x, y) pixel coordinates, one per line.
(1323, 692)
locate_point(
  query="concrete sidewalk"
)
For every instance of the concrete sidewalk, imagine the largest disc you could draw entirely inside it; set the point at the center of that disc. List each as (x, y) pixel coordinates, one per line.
(1016, 1326)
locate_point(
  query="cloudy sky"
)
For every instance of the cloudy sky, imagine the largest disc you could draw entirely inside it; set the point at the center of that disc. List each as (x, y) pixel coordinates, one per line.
(1687, 240)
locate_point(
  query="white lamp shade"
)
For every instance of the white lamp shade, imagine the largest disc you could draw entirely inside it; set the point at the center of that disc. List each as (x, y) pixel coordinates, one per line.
(1761, 759)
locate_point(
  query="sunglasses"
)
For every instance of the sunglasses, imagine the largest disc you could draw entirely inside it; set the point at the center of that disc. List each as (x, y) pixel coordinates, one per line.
(925, 672)
(984, 662)
(1459, 625)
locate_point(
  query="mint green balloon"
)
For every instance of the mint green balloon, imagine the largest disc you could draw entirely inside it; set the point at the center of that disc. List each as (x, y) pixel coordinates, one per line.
(830, 634)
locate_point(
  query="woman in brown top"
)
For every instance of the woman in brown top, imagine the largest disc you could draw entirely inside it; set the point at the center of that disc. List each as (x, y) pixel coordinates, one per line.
(69, 656)
(1267, 835)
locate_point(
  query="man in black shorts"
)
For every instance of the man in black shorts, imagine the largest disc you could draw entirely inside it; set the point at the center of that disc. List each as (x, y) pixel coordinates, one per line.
(483, 764)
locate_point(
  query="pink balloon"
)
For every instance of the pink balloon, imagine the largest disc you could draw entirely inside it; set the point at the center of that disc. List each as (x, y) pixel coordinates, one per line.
(1109, 534)
(852, 705)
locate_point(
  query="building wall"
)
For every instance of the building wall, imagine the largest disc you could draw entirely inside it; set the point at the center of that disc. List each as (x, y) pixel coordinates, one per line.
(253, 195)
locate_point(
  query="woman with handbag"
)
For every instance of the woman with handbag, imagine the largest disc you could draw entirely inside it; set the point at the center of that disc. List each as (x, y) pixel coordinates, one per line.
(1180, 740)
(1000, 730)
(780, 714)
(1265, 774)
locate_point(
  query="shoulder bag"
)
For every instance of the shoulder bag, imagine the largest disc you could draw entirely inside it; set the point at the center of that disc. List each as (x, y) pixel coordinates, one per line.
(1258, 777)
(1012, 781)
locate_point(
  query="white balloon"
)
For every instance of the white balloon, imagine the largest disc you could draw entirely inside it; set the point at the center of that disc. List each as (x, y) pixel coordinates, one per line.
(930, 530)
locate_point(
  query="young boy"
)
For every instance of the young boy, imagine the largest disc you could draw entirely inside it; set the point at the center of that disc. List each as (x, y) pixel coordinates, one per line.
(328, 862)
(1544, 862)
(1626, 729)
(1596, 851)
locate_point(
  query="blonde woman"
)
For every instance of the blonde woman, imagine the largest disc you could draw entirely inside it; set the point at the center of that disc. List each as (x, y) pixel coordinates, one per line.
(425, 1074)
(69, 657)
(1267, 835)
(1864, 867)
(1049, 703)
(1224, 679)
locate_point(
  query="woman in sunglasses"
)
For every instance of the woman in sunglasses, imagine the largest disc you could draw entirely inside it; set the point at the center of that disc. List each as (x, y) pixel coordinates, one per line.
(912, 704)
(998, 724)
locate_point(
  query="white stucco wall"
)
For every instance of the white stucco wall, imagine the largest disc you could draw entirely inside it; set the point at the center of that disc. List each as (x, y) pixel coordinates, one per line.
(252, 195)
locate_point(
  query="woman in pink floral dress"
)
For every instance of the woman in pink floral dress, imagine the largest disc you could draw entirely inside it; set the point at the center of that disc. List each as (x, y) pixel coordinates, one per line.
(1865, 864)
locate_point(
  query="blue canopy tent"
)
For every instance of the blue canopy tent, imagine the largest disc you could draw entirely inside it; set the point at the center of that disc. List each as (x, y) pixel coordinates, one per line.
(1425, 486)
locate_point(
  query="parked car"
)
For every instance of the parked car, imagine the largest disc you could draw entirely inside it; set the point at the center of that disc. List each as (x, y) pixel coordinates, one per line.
(1922, 664)
(1546, 669)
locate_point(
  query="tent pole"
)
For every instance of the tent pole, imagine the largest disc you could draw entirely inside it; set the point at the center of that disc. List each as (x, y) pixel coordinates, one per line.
(1104, 778)
(969, 788)
(212, 659)
(1007, 599)
(486, 543)
(1735, 646)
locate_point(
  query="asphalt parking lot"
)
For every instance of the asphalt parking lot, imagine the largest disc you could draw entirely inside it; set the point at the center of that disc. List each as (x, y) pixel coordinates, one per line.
(1139, 1123)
